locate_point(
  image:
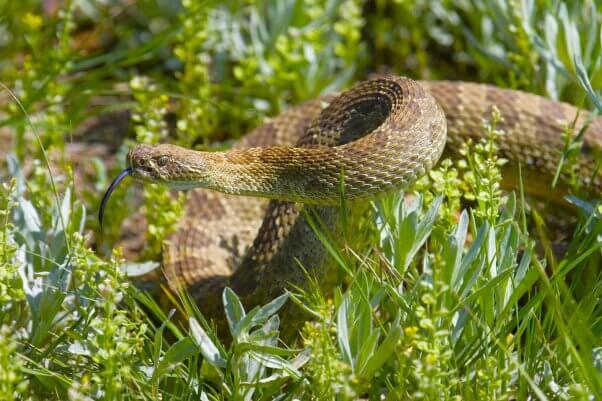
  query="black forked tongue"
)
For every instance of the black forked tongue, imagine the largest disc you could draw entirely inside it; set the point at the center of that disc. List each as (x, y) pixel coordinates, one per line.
(105, 198)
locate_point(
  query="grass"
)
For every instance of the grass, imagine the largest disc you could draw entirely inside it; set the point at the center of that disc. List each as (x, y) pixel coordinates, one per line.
(455, 292)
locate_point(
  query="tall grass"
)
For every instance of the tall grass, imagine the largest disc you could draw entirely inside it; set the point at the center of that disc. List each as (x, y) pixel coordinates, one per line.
(436, 300)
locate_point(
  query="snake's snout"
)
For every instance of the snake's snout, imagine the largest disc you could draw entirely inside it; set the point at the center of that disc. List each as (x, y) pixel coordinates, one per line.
(150, 163)
(167, 164)
(140, 161)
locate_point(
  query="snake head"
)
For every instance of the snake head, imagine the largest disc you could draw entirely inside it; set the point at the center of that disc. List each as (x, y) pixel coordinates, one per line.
(171, 165)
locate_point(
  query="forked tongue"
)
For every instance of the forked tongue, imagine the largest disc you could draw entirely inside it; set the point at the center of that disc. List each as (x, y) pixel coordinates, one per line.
(105, 198)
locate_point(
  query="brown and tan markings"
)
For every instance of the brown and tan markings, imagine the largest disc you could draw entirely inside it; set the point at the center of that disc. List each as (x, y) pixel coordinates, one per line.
(382, 135)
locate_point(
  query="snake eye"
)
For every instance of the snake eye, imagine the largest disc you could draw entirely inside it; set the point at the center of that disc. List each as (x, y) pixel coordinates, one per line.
(162, 161)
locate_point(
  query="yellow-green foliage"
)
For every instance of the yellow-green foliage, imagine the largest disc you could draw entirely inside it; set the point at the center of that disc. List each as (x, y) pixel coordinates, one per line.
(485, 176)
(330, 375)
(245, 60)
(12, 383)
(162, 210)
(436, 303)
(9, 282)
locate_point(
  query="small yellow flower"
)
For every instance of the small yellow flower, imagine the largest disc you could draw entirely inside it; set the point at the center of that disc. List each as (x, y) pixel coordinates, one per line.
(411, 331)
(33, 21)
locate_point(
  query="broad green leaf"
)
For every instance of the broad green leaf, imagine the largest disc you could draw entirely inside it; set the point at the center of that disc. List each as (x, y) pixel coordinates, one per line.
(275, 362)
(366, 352)
(244, 325)
(459, 239)
(269, 309)
(178, 352)
(424, 228)
(384, 351)
(343, 330)
(208, 348)
(30, 216)
(233, 308)
(137, 269)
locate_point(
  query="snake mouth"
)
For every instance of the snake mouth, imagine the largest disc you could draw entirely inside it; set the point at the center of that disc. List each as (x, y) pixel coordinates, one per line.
(105, 198)
(143, 173)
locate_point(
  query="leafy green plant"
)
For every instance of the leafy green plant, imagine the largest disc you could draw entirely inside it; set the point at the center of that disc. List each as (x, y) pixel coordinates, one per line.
(245, 61)
(549, 47)
(254, 366)
(440, 298)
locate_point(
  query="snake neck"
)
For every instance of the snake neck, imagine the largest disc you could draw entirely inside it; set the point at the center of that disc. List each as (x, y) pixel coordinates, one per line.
(239, 172)
(281, 173)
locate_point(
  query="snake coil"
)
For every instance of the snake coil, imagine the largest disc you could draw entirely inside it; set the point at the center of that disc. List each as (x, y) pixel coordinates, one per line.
(381, 135)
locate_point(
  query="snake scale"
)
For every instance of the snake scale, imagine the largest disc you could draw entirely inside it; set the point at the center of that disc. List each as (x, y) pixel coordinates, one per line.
(380, 135)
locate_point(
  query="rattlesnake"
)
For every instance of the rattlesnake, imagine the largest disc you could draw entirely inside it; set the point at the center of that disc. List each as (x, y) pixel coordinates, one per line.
(379, 136)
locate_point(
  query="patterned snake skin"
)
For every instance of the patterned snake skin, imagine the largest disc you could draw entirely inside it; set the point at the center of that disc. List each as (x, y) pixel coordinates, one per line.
(380, 135)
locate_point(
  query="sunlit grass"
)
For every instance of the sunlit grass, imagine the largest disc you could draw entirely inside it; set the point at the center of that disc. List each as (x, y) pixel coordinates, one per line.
(436, 300)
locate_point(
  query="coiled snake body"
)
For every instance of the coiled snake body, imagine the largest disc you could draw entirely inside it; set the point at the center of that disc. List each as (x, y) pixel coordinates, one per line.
(379, 136)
